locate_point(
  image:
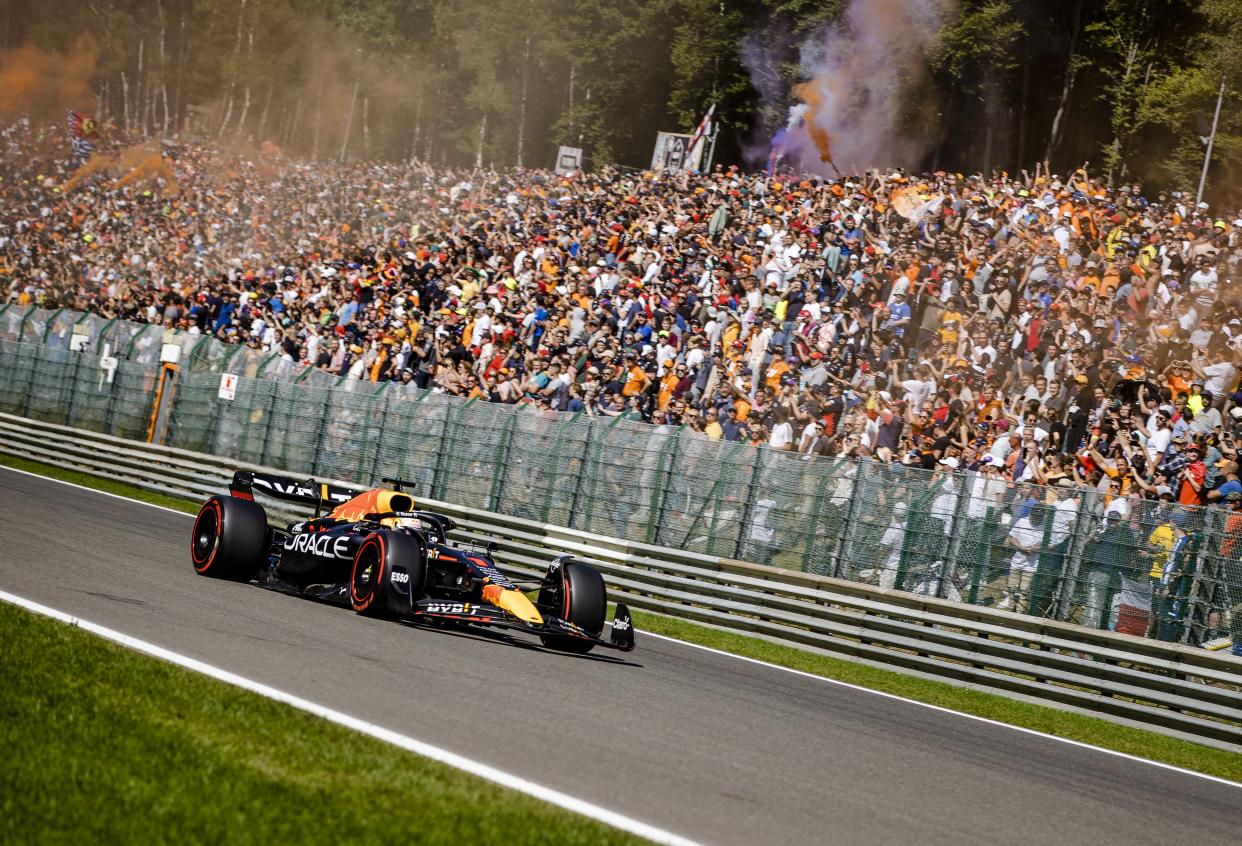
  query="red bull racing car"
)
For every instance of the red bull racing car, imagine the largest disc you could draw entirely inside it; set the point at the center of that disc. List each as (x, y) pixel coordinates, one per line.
(376, 553)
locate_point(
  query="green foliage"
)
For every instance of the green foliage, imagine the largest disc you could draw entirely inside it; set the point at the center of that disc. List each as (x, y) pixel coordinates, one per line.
(705, 59)
(1182, 100)
(979, 44)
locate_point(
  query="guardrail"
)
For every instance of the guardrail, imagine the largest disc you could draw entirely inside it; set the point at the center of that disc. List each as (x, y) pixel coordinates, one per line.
(1171, 687)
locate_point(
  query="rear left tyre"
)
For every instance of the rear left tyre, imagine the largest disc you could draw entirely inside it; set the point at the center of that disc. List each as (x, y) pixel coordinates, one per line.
(230, 539)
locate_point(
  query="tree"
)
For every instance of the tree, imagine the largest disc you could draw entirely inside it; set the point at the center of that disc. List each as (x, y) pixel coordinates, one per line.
(1181, 102)
(1136, 45)
(975, 57)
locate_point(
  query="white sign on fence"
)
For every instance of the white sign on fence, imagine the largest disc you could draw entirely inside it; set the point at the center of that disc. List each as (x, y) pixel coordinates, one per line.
(228, 387)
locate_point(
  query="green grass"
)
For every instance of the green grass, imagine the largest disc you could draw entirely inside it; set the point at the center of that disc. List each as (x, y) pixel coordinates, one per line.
(106, 745)
(1053, 721)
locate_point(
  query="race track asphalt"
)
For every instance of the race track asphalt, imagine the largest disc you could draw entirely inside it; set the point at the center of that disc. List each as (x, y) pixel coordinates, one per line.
(701, 744)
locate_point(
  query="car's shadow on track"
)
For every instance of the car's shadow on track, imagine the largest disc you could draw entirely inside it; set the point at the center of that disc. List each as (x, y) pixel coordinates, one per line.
(508, 640)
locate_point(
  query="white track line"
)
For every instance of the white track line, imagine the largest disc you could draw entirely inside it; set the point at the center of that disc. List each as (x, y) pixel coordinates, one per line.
(435, 753)
(825, 679)
(944, 710)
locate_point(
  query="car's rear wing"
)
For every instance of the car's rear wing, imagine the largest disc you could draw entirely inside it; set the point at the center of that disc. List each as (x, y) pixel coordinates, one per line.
(306, 491)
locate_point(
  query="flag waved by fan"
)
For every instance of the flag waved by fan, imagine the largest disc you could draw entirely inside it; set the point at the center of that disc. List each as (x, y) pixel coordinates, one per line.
(83, 133)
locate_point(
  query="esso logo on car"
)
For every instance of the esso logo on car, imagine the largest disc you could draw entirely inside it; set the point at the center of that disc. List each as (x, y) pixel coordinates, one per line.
(400, 578)
(324, 546)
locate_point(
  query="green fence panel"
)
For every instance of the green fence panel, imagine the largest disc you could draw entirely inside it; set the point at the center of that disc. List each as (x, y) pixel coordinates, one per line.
(17, 364)
(543, 461)
(192, 424)
(133, 395)
(51, 384)
(474, 452)
(414, 439)
(91, 392)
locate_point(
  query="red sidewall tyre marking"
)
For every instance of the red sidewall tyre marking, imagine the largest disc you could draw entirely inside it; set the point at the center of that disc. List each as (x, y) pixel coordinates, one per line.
(204, 566)
(363, 604)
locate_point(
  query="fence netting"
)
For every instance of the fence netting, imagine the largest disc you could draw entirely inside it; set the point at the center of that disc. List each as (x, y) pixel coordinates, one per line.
(1147, 568)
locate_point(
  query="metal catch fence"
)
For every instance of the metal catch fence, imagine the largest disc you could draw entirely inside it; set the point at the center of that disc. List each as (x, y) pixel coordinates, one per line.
(1151, 569)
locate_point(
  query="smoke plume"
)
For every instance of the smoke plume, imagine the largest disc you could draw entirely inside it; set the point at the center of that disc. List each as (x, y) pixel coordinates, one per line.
(856, 74)
(41, 84)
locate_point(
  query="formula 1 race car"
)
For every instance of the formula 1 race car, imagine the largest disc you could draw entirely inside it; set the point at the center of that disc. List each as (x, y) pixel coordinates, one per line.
(374, 552)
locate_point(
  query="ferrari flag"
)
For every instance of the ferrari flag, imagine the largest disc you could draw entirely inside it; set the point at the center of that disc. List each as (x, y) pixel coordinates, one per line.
(82, 133)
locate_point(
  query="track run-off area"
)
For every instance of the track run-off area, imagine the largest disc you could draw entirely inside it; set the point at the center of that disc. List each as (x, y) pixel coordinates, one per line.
(697, 743)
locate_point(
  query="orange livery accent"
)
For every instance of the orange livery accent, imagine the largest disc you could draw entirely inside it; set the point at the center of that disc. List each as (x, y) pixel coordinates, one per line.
(372, 502)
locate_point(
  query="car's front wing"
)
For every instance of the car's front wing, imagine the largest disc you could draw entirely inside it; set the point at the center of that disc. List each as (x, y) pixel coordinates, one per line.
(431, 610)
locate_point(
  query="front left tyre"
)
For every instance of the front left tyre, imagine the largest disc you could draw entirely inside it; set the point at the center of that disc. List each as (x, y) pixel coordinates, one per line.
(230, 539)
(388, 574)
(575, 592)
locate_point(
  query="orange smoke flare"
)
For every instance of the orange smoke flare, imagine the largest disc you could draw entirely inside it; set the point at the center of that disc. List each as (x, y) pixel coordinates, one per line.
(809, 94)
(41, 84)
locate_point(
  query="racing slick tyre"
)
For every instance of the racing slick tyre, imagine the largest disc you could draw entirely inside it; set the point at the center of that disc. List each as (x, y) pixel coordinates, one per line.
(388, 574)
(577, 595)
(230, 539)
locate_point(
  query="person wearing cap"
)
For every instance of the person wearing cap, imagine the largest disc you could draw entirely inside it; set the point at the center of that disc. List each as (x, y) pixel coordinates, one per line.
(1191, 479)
(1106, 555)
(1172, 581)
(943, 508)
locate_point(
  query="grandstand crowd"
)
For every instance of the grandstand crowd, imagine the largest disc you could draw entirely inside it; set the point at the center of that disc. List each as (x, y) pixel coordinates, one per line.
(1035, 326)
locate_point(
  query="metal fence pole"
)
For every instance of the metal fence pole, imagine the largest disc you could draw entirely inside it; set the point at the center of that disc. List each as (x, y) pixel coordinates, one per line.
(1073, 556)
(850, 520)
(503, 449)
(809, 563)
(561, 429)
(383, 430)
(748, 506)
(317, 455)
(267, 428)
(918, 524)
(593, 483)
(73, 389)
(664, 478)
(446, 455)
(948, 565)
(30, 380)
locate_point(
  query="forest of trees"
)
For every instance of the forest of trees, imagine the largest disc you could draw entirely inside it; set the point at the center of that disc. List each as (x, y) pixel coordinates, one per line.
(1129, 85)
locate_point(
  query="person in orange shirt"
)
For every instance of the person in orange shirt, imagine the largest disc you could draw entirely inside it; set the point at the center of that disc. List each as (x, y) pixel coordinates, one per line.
(776, 370)
(1175, 377)
(636, 379)
(668, 384)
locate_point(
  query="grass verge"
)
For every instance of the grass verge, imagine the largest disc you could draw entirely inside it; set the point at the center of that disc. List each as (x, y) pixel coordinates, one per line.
(1098, 732)
(106, 745)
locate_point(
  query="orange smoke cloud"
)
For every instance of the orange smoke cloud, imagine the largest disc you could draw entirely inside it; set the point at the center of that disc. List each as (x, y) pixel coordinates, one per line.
(142, 165)
(136, 166)
(41, 84)
(809, 94)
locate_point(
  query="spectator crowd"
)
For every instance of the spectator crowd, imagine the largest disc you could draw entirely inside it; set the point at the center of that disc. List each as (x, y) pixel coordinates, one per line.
(1037, 327)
